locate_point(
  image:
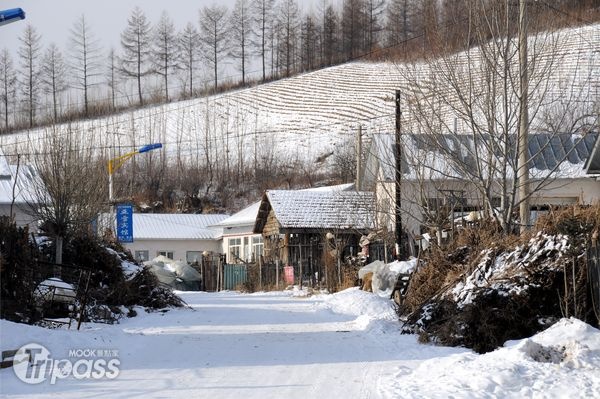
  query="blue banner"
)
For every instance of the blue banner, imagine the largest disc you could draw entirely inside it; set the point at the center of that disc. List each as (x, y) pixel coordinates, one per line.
(125, 222)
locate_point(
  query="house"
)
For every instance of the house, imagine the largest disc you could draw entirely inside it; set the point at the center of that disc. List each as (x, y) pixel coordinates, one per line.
(300, 227)
(438, 173)
(17, 192)
(176, 236)
(240, 243)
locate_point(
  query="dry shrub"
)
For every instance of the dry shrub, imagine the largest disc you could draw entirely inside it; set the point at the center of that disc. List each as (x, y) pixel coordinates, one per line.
(548, 290)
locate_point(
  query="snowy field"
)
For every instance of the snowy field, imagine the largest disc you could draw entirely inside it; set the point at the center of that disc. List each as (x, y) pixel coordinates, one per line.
(286, 345)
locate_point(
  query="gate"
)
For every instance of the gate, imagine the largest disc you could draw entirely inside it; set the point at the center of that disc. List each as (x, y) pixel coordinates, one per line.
(234, 275)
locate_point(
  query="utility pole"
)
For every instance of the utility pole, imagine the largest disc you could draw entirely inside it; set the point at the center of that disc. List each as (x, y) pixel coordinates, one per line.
(523, 167)
(358, 159)
(398, 194)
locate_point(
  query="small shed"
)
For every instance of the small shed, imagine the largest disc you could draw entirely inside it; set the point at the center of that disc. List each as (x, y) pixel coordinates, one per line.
(298, 226)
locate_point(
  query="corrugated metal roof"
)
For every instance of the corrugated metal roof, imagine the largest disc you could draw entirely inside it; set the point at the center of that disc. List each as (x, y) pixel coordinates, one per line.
(448, 155)
(323, 210)
(163, 226)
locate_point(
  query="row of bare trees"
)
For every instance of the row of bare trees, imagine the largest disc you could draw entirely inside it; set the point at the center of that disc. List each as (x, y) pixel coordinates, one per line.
(159, 62)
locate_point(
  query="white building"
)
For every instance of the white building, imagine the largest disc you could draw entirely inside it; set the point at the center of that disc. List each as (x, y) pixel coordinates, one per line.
(564, 169)
(177, 236)
(16, 192)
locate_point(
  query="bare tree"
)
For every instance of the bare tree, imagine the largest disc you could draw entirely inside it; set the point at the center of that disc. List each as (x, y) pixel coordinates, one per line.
(29, 53)
(135, 41)
(165, 50)
(330, 33)
(111, 76)
(8, 82)
(373, 11)
(262, 12)
(353, 27)
(241, 29)
(86, 56)
(53, 76)
(309, 35)
(476, 94)
(65, 197)
(399, 21)
(189, 53)
(213, 30)
(288, 19)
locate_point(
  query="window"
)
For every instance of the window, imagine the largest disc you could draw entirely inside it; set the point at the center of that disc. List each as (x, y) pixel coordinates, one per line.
(235, 248)
(193, 257)
(168, 254)
(142, 256)
(257, 247)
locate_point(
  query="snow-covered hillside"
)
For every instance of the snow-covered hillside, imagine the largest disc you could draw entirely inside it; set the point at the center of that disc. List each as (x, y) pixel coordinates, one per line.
(296, 118)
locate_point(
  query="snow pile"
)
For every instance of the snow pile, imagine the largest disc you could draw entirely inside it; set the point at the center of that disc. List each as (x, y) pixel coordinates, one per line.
(562, 361)
(355, 302)
(54, 289)
(130, 269)
(385, 275)
(176, 274)
(510, 273)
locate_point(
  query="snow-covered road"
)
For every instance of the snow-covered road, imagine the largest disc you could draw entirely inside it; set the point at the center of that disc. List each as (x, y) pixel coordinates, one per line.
(280, 345)
(232, 345)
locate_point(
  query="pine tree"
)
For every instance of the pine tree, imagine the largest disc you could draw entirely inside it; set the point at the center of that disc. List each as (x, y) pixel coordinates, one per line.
(262, 11)
(86, 55)
(189, 53)
(165, 50)
(135, 41)
(213, 35)
(29, 53)
(8, 83)
(53, 76)
(241, 29)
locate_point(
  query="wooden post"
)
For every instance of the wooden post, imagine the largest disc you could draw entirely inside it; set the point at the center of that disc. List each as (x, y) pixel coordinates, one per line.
(523, 169)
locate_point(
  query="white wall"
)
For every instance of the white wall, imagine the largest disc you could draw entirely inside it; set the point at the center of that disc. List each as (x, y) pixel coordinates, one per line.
(557, 192)
(21, 216)
(178, 247)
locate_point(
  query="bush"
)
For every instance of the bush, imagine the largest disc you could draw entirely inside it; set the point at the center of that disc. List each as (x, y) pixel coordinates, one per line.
(485, 288)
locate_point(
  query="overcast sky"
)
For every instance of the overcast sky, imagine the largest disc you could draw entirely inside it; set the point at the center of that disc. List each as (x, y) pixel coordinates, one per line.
(107, 18)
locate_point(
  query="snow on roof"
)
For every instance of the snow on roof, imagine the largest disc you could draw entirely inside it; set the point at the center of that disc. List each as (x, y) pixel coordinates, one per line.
(563, 155)
(323, 210)
(23, 185)
(164, 226)
(247, 216)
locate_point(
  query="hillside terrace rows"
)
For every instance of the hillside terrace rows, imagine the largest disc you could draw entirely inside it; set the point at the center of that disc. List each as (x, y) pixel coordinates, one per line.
(296, 111)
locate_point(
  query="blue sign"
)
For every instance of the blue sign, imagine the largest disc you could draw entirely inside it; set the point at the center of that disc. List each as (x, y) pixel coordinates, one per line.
(125, 222)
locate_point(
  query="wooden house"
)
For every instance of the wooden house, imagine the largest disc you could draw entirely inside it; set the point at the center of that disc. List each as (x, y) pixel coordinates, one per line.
(299, 226)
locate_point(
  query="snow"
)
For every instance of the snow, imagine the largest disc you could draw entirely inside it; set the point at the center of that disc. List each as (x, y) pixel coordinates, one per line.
(55, 289)
(508, 273)
(176, 226)
(562, 361)
(277, 344)
(322, 209)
